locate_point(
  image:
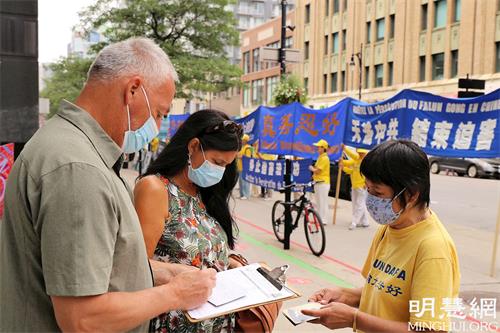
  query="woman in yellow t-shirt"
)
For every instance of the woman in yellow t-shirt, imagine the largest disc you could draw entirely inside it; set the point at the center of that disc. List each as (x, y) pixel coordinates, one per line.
(411, 271)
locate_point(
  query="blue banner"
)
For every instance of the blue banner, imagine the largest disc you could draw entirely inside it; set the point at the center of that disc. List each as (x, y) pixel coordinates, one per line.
(293, 129)
(270, 174)
(466, 127)
(250, 125)
(174, 122)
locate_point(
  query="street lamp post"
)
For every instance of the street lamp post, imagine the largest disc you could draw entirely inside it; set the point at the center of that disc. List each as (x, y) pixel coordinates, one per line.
(352, 63)
(288, 163)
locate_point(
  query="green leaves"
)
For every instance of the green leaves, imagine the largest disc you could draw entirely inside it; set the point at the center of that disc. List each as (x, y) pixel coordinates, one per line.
(69, 75)
(289, 90)
(193, 33)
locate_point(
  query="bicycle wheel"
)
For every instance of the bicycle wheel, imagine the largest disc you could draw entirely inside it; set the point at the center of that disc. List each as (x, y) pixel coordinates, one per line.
(278, 220)
(315, 232)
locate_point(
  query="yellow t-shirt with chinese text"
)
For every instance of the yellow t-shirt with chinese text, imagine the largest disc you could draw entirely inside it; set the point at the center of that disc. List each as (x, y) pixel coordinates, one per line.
(246, 150)
(419, 264)
(323, 163)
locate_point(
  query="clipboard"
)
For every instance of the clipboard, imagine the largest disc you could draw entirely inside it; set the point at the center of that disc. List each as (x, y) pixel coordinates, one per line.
(259, 282)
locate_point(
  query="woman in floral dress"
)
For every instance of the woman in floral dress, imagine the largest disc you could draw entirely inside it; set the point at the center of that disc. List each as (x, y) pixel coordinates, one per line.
(182, 203)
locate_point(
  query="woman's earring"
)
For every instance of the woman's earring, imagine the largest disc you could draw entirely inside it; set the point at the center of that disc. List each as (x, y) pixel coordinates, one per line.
(189, 159)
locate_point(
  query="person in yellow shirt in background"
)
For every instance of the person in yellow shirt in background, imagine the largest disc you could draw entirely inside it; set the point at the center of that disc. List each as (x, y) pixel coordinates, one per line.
(358, 191)
(321, 176)
(246, 150)
(411, 272)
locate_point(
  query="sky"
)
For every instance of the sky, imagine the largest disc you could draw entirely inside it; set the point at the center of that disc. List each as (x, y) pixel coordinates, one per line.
(55, 20)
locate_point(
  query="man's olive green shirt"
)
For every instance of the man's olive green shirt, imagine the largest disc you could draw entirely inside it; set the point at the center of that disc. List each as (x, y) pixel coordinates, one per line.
(70, 228)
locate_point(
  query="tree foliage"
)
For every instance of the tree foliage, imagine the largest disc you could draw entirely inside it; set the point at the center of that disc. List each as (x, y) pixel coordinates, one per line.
(289, 90)
(193, 33)
(68, 78)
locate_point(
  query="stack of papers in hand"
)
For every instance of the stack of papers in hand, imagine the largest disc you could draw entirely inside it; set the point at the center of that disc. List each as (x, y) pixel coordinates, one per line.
(296, 316)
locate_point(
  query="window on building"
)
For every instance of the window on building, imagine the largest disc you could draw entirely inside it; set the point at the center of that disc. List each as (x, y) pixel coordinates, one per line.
(454, 63)
(344, 39)
(257, 91)
(368, 32)
(440, 8)
(308, 14)
(367, 77)
(333, 82)
(379, 75)
(497, 69)
(246, 62)
(306, 84)
(325, 84)
(306, 51)
(326, 45)
(256, 60)
(421, 69)
(288, 42)
(246, 96)
(343, 81)
(423, 21)
(458, 10)
(438, 66)
(335, 43)
(392, 21)
(390, 78)
(272, 83)
(380, 29)
(18, 36)
(327, 7)
(335, 6)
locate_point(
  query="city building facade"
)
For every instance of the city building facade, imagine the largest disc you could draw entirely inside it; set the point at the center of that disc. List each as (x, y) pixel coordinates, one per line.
(18, 72)
(260, 77)
(389, 45)
(248, 14)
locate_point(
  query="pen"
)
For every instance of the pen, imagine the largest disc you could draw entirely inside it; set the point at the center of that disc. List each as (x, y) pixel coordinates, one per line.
(213, 265)
(201, 260)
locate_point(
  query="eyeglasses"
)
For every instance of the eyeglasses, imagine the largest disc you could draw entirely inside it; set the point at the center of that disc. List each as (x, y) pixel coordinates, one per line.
(227, 126)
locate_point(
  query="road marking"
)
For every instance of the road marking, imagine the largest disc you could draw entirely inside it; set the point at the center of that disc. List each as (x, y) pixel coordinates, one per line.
(327, 257)
(289, 259)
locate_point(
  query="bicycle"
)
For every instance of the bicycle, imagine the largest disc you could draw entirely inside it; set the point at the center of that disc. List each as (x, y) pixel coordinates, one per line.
(313, 226)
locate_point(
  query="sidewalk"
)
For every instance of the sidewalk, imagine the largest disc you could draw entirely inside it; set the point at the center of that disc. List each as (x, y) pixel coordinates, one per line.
(344, 255)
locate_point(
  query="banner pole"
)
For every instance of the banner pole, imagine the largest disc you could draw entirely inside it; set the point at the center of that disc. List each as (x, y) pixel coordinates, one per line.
(337, 192)
(495, 245)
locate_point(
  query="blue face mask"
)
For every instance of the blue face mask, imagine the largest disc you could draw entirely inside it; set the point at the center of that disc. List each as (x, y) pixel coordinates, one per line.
(134, 141)
(208, 174)
(381, 209)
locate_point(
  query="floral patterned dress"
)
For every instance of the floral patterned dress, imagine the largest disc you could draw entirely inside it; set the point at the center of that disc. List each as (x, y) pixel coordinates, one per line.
(191, 237)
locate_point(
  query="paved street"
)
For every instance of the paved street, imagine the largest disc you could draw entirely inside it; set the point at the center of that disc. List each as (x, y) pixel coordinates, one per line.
(346, 250)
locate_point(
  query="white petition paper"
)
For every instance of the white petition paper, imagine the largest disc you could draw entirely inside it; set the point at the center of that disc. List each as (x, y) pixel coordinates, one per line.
(252, 284)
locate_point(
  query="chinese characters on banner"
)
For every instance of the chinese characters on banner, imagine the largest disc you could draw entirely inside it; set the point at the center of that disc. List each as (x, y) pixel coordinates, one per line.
(441, 126)
(292, 129)
(6, 161)
(270, 174)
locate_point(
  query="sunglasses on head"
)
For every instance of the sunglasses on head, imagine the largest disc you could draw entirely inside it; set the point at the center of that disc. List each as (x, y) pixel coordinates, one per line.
(227, 126)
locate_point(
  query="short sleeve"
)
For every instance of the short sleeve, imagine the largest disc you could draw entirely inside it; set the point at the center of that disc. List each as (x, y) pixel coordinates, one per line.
(432, 284)
(79, 226)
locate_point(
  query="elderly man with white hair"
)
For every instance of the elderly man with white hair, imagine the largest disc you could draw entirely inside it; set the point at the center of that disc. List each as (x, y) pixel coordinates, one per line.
(72, 255)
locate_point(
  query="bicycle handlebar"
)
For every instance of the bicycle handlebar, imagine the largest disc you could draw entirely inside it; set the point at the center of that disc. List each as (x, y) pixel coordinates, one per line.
(310, 184)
